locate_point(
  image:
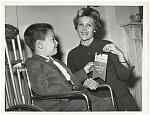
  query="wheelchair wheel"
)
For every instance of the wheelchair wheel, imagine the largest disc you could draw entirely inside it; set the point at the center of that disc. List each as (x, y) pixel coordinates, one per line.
(24, 107)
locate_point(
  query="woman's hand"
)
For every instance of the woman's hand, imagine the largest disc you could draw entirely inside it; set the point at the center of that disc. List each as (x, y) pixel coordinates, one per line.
(113, 49)
(90, 83)
(89, 67)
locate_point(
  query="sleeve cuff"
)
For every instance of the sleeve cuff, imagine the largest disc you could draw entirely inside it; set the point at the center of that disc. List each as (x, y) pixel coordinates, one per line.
(124, 72)
(81, 75)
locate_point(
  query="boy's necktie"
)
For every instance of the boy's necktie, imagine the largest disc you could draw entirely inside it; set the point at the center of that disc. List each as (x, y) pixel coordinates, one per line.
(64, 71)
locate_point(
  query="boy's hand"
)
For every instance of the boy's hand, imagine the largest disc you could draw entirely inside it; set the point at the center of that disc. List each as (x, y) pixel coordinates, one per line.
(90, 83)
(89, 67)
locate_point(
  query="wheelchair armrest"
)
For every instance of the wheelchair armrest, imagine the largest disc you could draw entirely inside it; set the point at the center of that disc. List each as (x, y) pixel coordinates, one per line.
(110, 89)
(103, 85)
(73, 94)
(58, 96)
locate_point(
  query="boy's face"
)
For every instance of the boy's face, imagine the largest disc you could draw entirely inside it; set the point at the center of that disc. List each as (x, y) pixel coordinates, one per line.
(50, 44)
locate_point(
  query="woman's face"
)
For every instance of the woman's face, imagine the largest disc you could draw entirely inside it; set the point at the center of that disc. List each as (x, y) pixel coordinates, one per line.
(85, 28)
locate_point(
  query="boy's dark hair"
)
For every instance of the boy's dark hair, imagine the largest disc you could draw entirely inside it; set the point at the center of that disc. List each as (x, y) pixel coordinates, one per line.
(88, 12)
(34, 32)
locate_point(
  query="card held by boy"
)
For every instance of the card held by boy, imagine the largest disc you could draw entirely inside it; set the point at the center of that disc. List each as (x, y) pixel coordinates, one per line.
(100, 64)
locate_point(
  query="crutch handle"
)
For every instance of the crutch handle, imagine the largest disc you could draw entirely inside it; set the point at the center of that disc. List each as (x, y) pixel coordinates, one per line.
(11, 31)
(14, 62)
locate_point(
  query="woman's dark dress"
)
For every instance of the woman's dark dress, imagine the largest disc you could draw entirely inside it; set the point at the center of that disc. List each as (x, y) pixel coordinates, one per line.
(116, 73)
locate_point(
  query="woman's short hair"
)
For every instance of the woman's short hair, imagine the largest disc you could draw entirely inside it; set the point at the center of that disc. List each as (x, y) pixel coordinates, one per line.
(34, 32)
(88, 12)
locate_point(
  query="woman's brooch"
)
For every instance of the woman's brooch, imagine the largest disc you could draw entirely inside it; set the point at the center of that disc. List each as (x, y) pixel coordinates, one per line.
(80, 12)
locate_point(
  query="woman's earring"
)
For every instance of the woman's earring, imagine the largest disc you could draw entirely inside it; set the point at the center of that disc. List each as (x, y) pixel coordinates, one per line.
(94, 31)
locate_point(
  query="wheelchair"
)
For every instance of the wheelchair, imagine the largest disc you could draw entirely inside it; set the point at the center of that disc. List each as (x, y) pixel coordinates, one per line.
(18, 90)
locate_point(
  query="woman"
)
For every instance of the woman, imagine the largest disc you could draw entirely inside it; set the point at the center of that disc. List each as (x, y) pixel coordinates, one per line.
(80, 59)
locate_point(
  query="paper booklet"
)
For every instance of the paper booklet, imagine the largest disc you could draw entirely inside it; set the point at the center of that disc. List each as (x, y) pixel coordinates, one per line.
(100, 66)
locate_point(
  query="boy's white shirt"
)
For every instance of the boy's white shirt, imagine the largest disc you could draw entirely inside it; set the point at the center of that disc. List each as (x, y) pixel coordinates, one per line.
(45, 57)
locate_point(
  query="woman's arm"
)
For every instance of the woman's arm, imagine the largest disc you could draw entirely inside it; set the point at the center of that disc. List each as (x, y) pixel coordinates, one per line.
(117, 56)
(81, 75)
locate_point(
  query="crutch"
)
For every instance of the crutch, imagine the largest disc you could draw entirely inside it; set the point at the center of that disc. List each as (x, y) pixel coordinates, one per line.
(12, 78)
(12, 32)
(8, 95)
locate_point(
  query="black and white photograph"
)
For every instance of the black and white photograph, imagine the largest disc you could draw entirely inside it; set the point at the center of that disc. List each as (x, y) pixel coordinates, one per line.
(75, 56)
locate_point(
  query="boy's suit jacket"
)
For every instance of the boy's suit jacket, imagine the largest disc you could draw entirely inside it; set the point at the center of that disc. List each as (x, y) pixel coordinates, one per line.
(46, 78)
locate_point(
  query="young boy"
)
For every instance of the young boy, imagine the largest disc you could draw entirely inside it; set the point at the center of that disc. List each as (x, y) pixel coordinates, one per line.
(50, 76)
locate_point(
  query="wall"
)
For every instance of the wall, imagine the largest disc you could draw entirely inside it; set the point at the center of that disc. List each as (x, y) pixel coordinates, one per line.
(61, 18)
